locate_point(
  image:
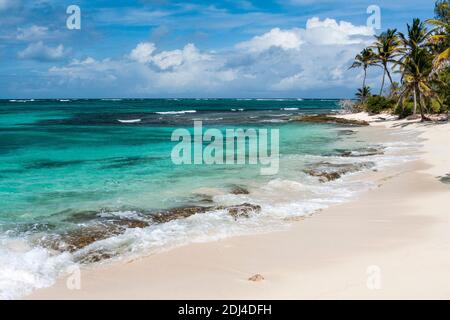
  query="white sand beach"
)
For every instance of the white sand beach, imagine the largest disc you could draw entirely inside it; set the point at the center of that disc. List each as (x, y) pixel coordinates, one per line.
(397, 234)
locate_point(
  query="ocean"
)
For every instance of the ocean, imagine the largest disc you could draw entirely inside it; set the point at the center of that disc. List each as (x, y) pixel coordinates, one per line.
(86, 182)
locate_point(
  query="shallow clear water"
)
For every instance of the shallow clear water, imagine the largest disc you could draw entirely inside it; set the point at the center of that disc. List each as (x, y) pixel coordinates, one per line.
(68, 165)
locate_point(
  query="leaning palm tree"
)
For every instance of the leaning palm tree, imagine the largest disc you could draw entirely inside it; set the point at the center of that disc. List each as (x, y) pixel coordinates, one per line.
(416, 67)
(364, 59)
(387, 47)
(363, 93)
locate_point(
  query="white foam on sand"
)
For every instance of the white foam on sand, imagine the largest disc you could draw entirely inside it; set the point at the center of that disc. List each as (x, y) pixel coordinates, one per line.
(24, 268)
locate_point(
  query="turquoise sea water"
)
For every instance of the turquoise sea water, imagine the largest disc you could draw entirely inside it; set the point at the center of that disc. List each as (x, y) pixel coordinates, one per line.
(80, 164)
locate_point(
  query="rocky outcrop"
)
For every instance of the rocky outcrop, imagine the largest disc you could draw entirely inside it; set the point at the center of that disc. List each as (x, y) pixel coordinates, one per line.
(237, 190)
(81, 237)
(331, 120)
(242, 210)
(327, 171)
(101, 228)
(177, 213)
(361, 152)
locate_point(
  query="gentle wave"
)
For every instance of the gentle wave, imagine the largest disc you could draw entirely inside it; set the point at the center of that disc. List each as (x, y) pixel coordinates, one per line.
(22, 100)
(130, 121)
(176, 112)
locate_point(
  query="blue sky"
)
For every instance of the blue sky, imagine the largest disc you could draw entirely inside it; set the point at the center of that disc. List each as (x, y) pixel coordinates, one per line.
(166, 48)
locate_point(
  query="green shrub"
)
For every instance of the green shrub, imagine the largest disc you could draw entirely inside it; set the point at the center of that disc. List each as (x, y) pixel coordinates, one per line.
(377, 104)
(405, 111)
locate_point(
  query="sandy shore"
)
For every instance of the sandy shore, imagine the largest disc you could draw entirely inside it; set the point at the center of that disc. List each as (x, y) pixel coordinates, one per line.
(392, 242)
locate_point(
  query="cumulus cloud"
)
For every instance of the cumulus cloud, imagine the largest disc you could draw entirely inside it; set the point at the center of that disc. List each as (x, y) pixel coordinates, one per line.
(279, 62)
(39, 51)
(143, 52)
(285, 39)
(317, 32)
(188, 55)
(329, 32)
(143, 72)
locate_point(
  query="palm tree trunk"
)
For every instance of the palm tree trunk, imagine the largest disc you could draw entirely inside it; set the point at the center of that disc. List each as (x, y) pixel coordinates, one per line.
(382, 82)
(365, 76)
(415, 101)
(422, 114)
(389, 76)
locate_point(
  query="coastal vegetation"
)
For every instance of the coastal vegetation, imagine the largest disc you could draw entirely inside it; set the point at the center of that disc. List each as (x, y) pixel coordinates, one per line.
(420, 58)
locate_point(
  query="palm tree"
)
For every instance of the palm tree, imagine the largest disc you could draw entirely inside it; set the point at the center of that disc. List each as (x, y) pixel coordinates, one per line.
(440, 40)
(364, 59)
(416, 67)
(416, 37)
(363, 93)
(414, 47)
(387, 46)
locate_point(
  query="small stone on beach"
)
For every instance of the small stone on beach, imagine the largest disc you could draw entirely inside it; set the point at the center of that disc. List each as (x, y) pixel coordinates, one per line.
(256, 278)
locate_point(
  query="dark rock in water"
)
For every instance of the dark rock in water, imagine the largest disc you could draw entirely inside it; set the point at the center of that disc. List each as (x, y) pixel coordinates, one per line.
(31, 228)
(243, 210)
(102, 228)
(346, 132)
(130, 223)
(237, 190)
(178, 213)
(79, 216)
(93, 257)
(119, 163)
(81, 237)
(327, 171)
(330, 119)
(361, 152)
(51, 164)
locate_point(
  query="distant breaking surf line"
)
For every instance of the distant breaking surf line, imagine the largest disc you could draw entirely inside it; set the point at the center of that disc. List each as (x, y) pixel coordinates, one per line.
(129, 121)
(177, 112)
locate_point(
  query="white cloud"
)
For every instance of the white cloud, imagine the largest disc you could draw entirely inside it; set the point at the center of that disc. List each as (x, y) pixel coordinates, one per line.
(39, 51)
(143, 52)
(188, 55)
(176, 71)
(285, 39)
(278, 62)
(331, 32)
(326, 32)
